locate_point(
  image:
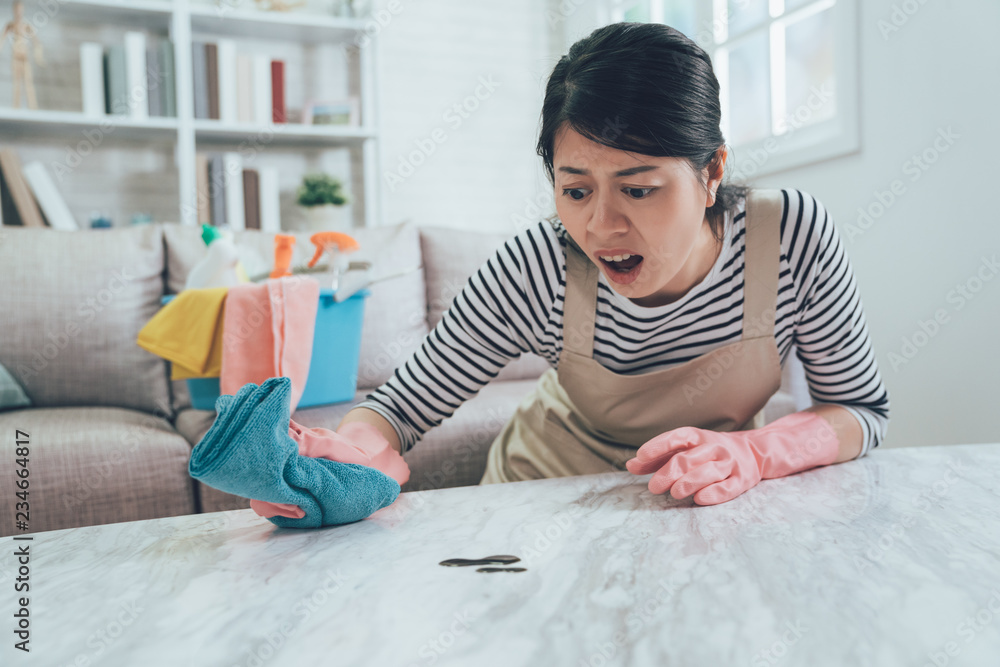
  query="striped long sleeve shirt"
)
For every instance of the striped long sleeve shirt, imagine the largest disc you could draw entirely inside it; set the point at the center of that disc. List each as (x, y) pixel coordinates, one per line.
(514, 304)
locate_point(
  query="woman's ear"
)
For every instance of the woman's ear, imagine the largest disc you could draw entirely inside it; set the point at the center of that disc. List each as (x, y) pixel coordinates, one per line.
(715, 169)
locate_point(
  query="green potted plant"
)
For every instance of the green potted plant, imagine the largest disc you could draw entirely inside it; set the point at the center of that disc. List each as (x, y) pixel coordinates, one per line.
(322, 200)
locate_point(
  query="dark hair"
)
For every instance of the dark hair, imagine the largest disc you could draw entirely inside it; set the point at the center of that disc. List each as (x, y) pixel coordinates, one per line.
(644, 88)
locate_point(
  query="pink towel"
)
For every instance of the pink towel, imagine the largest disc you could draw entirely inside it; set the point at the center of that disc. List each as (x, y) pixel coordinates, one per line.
(268, 332)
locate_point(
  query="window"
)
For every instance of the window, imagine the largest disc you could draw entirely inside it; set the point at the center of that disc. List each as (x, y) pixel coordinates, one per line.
(787, 73)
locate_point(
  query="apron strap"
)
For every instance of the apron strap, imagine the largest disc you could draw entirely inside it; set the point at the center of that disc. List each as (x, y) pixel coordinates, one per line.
(580, 306)
(762, 258)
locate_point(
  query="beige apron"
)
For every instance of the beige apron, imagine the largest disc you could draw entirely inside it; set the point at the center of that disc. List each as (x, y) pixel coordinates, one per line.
(585, 418)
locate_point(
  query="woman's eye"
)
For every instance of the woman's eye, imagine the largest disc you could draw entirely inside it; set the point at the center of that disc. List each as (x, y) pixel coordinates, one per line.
(635, 193)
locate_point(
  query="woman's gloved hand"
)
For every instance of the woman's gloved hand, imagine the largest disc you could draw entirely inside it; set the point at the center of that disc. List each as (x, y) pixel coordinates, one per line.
(717, 467)
(354, 442)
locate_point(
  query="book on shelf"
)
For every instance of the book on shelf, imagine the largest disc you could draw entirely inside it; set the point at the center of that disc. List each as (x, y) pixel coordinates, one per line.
(23, 203)
(227, 78)
(278, 91)
(262, 90)
(160, 79)
(115, 81)
(236, 87)
(212, 76)
(135, 74)
(233, 166)
(199, 71)
(92, 78)
(270, 202)
(244, 89)
(8, 209)
(217, 189)
(237, 197)
(53, 205)
(204, 203)
(251, 198)
(138, 78)
(153, 76)
(168, 78)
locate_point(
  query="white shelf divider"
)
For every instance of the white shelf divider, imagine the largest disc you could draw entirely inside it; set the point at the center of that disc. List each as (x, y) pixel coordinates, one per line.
(187, 181)
(281, 133)
(296, 26)
(45, 117)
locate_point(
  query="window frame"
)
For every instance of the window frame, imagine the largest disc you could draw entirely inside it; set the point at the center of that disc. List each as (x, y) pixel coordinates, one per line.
(808, 144)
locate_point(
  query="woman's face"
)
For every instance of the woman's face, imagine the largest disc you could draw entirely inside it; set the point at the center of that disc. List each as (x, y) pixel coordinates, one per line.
(613, 203)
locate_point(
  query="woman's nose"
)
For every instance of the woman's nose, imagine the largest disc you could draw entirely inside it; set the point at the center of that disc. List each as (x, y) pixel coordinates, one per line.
(607, 218)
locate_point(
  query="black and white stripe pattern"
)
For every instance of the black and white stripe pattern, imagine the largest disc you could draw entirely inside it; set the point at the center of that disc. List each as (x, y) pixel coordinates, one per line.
(514, 304)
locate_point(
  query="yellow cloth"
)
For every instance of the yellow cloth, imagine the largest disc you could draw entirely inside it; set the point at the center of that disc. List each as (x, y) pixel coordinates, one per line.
(188, 332)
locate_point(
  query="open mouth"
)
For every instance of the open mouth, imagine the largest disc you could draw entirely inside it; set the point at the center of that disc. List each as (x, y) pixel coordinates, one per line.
(625, 265)
(624, 272)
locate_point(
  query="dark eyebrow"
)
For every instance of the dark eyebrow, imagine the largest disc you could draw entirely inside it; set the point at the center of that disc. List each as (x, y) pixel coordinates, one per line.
(624, 172)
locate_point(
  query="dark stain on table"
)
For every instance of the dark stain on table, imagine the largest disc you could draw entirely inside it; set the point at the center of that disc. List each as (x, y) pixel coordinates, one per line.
(488, 560)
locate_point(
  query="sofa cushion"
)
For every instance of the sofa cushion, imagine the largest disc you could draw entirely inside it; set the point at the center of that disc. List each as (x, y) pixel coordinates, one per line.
(91, 466)
(451, 257)
(73, 305)
(394, 321)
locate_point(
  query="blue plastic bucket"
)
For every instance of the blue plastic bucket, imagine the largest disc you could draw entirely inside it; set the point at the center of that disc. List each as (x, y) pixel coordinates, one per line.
(336, 351)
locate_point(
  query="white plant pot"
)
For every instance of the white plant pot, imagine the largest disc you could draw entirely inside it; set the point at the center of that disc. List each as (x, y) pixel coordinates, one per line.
(327, 218)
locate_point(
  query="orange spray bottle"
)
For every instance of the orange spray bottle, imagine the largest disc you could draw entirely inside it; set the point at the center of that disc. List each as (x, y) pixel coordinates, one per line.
(337, 244)
(283, 245)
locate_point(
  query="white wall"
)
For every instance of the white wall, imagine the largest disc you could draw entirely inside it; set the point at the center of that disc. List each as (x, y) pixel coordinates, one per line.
(433, 55)
(940, 70)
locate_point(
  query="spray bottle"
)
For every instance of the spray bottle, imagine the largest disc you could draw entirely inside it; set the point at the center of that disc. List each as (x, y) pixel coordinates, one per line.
(220, 267)
(337, 245)
(283, 249)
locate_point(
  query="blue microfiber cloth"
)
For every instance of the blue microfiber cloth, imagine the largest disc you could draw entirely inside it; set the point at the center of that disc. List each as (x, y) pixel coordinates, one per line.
(248, 452)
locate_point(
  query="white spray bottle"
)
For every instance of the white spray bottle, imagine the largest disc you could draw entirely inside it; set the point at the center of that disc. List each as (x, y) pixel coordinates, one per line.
(220, 267)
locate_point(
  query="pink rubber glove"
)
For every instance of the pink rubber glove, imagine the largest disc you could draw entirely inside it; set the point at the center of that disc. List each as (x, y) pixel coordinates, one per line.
(354, 442)
(717, 467)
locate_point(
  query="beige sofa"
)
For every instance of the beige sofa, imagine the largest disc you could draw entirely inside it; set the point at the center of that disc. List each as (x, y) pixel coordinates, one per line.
(110, 434)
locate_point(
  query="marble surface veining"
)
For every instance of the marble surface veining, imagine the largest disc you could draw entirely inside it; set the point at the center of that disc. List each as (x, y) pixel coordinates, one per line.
(893, 559)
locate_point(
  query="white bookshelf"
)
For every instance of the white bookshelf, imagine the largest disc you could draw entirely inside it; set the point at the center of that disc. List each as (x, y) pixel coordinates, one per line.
(179, 21)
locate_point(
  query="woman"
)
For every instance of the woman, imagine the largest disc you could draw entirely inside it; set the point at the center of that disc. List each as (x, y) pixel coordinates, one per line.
(665, 312)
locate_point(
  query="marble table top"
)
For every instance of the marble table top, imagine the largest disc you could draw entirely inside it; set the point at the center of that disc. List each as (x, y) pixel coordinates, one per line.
(893, 559)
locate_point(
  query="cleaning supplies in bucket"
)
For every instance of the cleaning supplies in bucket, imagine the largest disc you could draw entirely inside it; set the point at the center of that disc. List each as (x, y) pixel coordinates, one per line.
(333, 366)
(336, 332)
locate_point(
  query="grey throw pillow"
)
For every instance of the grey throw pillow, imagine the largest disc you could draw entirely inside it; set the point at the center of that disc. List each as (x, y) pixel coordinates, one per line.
(11, 392)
